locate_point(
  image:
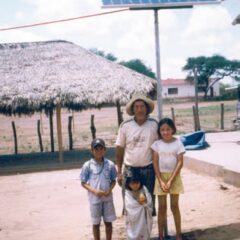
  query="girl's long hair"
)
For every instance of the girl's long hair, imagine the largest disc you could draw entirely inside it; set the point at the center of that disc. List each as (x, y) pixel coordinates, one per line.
(167, 121)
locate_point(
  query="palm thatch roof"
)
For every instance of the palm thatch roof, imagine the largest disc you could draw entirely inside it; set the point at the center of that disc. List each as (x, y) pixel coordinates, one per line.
(38, 75)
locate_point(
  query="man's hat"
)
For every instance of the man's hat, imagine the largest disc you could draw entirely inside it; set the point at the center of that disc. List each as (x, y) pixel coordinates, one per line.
(148, 101)
(98, 142)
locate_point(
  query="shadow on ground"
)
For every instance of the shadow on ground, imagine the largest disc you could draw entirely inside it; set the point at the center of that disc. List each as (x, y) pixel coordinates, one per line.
(219, 232)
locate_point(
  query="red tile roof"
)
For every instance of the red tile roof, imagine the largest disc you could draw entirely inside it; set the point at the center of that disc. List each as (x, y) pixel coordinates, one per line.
(171, 81)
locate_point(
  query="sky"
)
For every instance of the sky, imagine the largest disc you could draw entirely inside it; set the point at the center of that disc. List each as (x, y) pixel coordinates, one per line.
(200, 31)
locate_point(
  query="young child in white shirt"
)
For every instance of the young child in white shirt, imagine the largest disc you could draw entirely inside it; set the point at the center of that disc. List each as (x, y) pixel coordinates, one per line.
(138, 207)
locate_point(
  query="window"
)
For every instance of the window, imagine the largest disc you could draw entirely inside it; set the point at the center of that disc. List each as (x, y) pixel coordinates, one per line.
(172, 91)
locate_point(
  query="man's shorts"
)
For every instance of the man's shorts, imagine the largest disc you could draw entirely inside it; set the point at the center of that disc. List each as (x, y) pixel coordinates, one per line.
(105, 210)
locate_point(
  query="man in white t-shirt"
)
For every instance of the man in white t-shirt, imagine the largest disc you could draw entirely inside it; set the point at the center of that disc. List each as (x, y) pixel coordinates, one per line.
(134, 140)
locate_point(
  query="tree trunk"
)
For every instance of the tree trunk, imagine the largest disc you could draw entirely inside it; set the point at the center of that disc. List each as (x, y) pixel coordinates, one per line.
(205, 94)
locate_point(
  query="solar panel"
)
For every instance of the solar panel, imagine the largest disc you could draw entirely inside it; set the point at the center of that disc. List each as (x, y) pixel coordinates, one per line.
(155, 3)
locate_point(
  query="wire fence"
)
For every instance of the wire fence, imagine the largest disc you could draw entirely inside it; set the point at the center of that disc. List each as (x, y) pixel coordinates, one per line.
(106, 124)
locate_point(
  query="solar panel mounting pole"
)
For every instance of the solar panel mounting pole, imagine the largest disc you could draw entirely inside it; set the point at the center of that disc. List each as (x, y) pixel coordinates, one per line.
(158, 65)
(159, 84)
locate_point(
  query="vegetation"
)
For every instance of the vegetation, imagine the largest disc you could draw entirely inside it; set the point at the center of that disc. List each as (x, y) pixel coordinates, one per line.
(135, 64)
(216, 68)
(108, 56)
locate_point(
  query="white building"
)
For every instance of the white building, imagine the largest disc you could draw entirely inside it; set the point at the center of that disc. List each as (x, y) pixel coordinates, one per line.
(180, 88)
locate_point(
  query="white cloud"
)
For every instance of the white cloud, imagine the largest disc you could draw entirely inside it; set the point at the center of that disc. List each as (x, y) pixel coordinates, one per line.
(207, 29)
(19, 15)
(19, 36)
(46, 9)
(205, 19)
(203, 30)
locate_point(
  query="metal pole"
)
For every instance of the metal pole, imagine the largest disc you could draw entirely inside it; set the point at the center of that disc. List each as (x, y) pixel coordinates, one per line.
(158, 67)
(159, 85)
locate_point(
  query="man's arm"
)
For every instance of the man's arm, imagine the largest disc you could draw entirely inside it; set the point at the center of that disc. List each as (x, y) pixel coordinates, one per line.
(119, 158)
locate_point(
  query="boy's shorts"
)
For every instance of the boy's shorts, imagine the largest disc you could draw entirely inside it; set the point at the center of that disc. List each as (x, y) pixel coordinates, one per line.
(102, 209)
(176, 188)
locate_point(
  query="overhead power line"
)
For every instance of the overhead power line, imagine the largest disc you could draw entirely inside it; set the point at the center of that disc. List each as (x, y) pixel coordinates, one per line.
(61, 20)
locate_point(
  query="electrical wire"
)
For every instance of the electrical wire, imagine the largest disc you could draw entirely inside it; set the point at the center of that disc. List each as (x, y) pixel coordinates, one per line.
(61, 20)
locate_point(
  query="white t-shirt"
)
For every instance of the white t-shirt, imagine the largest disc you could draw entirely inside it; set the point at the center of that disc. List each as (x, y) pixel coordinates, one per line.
(167, 153)
(136, 141)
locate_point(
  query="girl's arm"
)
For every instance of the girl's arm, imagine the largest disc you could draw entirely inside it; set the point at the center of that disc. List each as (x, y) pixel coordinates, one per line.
(157, 170)
(99, 193)
(176, 170)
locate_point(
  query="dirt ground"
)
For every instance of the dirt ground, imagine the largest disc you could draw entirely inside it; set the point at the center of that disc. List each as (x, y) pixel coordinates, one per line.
(54, 206)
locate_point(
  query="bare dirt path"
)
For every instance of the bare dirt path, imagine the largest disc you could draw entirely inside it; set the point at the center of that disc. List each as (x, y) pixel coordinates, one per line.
(53, 206)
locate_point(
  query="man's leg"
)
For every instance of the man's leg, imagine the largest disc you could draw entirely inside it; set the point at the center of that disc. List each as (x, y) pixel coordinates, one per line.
(126, 172)
(148, 177)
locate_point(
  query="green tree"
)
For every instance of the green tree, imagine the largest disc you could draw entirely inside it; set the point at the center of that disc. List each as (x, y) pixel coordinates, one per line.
(109, 56)
(139, 66)
(211, 69)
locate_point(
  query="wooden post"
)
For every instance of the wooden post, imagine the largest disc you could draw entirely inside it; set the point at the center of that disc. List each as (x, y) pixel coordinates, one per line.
(173, 114)
(222, 116)
(197, 121)
(194, 118)
(59, 133)
(51, 129)
(119, 113)
(93, 129)
(39, 135)
(73, 121)
(15, 138)
(70, 118)
(41, 123)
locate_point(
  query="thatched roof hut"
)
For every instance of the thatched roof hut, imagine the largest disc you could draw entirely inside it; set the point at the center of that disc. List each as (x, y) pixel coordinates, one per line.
(37, 75)
(44, 75)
